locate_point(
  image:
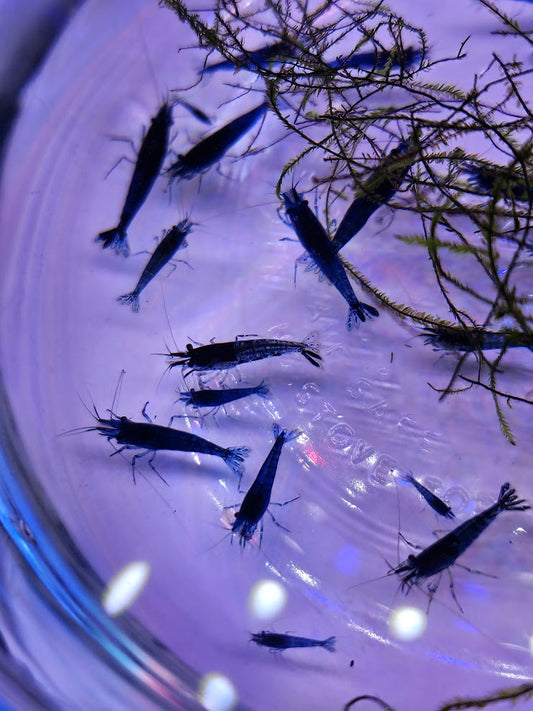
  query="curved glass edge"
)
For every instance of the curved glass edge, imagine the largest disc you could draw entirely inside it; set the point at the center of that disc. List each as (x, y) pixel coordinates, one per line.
(65, 582)
(56, 574)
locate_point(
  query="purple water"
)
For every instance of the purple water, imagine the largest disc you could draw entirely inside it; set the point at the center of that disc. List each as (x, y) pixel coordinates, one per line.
(367, 417)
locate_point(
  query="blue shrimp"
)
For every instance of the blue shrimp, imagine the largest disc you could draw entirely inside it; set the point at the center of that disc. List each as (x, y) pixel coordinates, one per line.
(173, 240)
(257, 499)
(262, 57)
(376, 191)
(501, 180)
(217, 398)
(442, 554)
(469, 340)
(229, 354)
(316, 242)
(152, 438)
(436, 504)
(401, 57)
(212, 148)
(289, 641)
(148, 166)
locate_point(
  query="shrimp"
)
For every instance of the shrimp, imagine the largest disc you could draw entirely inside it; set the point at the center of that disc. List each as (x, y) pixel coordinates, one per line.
(216, 398)
(504, 181)
(436, 504)
(468, 340)
(212, 148)
(148, 166)
(257, 499)
(442, 554)
(152, 438)
(262, 57)
(402, 57)
(228, 354)
(319, 247)
(173, 240)
(289, 641)
(377, 190)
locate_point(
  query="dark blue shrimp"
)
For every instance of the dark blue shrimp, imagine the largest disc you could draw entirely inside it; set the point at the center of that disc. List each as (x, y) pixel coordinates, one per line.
(148, 166)
(436, 504)
(443, 553)
(401, 57)
(216, 398)
(469, 340)
(257, 499)
(316, 242)
(152, 438)
(499, 179)
(262, 57)
(173, 240)
(376, 191)
(229, 354)
(289, 641)
(212, 148)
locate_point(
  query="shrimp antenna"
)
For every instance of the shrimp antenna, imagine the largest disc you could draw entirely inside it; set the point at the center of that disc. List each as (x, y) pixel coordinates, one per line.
(148, 59)
(373, 580)
(399, 527)
(118, 389)
(93, 413)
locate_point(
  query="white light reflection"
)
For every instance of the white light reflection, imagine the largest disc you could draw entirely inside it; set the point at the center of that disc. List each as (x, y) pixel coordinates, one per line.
(217, 693)
(267, 599)
(124, 588)
(407, 623)
(304, 576)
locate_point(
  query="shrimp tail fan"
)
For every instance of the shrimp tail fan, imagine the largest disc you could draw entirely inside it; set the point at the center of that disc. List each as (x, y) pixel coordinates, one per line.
(329, 644)
(234, 458)
(116, 239)
(508, 500)
(263, 390)
(131, 298)
(311, 351)
(288, 435)
(360, 312)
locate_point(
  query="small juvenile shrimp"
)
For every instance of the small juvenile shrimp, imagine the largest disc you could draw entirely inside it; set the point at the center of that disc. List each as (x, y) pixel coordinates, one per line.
(173, 240)
(461, 338)
(228, 354)
(262, 57)
(148, 166)
(376, 191)
(217, 398)
(212, 148)
(257, 499)
(152, 438)
(289, 641)
(316, 242)
(436, 504)
(444, 552)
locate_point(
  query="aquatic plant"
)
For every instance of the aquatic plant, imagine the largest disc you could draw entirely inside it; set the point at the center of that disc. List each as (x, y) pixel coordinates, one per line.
(350, 79)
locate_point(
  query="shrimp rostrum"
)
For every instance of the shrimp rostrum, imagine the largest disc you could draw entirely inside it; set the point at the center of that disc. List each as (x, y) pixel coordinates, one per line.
(442, 554)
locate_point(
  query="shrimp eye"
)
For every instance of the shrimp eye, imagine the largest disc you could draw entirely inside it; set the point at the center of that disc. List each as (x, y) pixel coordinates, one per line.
(410, 558)
(189, 347)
